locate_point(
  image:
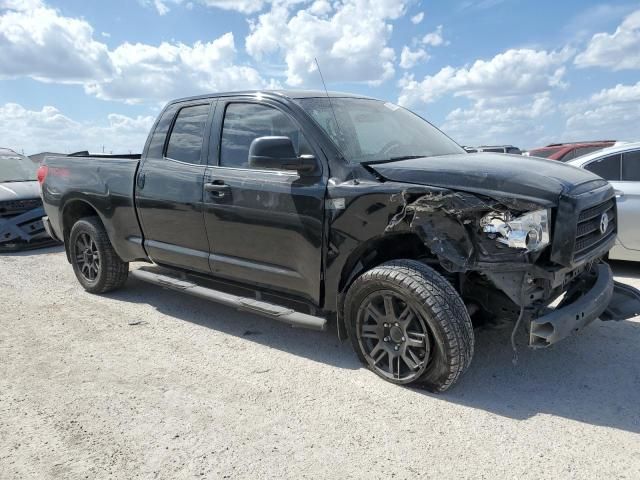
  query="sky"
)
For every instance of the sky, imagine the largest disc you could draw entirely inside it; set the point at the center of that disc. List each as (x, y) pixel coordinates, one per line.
(93, 74)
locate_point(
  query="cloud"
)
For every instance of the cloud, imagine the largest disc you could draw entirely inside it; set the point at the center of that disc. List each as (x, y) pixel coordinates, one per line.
(146, 72)
(49, 129)
(479, 4)
(513, 73)
(242, 6)
(522, 123)
(20, 5)
(610, 113)
(435, 38)
(37, 42)
(348, 50)
(161, 7)
(617, 51)
(410, 58)
(417, 18)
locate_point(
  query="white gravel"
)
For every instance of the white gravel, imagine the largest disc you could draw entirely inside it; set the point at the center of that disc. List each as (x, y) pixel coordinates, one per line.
(197, 390)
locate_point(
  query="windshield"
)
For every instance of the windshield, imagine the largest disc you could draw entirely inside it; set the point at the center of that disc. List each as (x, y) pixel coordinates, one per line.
(16, 168)
(371, 130)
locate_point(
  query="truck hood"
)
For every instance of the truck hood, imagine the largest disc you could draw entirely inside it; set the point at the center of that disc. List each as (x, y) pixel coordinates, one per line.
(491, 174)
(19, 191)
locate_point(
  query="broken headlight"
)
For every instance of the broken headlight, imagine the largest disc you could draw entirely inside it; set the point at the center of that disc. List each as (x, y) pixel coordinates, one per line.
(529, 231)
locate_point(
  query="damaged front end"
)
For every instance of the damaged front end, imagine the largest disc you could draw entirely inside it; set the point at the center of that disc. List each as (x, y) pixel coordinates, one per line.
(21, 225)
(520, 259)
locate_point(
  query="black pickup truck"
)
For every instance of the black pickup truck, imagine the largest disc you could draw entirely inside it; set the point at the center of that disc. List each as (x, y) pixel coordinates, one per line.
(311, 207)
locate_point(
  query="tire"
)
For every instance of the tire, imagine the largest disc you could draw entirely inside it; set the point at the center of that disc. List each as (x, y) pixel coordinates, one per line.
(422, 336)
(97, 266)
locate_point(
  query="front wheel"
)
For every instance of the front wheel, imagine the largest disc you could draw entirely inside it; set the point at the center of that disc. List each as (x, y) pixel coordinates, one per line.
(97, 266)
(409, 325)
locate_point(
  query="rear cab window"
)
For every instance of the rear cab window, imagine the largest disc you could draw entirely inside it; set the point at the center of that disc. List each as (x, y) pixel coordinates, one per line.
(186, 137)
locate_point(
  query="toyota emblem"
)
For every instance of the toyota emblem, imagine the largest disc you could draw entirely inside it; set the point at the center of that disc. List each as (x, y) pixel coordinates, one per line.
(604, 223)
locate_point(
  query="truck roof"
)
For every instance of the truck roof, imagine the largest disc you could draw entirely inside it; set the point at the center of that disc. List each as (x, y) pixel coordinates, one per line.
(291, 94)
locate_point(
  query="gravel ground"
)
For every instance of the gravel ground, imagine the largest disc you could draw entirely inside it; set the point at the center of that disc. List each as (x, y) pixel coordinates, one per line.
(144, 383)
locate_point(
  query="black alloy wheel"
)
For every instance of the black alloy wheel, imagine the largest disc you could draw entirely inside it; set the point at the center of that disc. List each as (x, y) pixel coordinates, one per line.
(87, 257)
(409, 325)
(393, 336)
(97, 266)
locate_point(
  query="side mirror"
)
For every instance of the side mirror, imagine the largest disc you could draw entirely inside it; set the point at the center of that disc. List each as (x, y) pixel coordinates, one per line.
(277, 153)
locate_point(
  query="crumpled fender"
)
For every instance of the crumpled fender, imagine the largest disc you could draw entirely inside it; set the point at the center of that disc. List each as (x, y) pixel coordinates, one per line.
(443, 220)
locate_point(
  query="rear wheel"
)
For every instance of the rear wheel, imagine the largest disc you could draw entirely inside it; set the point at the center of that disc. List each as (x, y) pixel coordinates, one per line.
(409, 325)
(97, 266)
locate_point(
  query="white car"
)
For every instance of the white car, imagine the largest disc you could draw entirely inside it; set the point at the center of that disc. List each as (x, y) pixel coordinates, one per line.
(620, 165)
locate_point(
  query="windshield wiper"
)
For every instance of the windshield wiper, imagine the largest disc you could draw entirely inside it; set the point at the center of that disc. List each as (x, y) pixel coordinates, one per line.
(18, 181)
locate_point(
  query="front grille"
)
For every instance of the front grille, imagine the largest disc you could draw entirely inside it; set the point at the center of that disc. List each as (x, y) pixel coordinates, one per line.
(14, 207)
(588, 234)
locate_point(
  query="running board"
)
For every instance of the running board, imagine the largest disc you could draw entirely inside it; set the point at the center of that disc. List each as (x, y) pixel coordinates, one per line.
(277, 312)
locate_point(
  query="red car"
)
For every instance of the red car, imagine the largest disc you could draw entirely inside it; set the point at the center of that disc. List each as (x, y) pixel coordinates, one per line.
(568, 151)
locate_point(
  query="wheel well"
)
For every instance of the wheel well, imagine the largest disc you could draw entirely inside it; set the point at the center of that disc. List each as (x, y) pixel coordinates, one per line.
(405, 245)
(73, 212)
(379, 250)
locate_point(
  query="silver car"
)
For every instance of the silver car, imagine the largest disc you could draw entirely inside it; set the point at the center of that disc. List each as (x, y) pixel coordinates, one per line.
(620, 165)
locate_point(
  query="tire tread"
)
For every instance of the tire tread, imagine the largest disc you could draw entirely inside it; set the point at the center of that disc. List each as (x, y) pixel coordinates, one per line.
(115, 271)
(444, 304)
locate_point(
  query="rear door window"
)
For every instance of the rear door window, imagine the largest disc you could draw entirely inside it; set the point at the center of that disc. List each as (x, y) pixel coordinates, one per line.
(185, 142)
(631, 166)
(607, 167)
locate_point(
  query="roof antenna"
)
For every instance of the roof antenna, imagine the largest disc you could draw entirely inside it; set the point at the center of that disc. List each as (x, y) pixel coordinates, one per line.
(335, 118)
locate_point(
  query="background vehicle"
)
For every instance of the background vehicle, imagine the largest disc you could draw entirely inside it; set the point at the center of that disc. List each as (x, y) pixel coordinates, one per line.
(568, 151)
(499, 149)
(307, 209)
(38, 158)
(620, 165)
(21, 209)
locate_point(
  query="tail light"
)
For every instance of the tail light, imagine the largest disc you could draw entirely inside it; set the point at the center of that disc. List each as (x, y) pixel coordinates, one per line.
(42, 173)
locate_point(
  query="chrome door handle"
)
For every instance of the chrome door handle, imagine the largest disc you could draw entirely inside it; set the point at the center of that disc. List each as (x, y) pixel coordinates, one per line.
(219, 189)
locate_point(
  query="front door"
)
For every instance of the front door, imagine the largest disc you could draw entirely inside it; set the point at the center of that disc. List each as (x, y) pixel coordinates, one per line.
(169, 188)
(628, 197)
(265, 227)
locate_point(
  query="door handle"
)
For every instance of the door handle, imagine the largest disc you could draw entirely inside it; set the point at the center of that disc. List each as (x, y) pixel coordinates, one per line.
(140, 180)
(217, 189)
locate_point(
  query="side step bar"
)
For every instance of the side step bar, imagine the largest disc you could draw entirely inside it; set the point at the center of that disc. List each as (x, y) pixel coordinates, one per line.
(277, 312)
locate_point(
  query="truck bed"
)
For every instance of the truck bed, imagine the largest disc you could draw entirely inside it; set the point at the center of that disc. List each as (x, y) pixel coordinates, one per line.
(102, 183)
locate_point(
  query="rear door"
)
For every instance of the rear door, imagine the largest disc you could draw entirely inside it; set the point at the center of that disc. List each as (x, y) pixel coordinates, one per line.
(169, 187)
(265, 227)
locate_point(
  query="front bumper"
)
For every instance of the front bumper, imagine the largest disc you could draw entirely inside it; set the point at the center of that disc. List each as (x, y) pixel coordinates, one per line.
(25, 230)
(572, 317)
